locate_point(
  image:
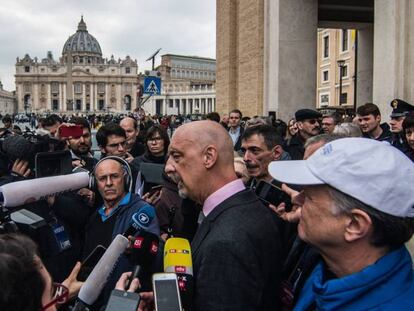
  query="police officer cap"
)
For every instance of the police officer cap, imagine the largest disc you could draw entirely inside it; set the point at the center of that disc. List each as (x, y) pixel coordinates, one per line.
(305, 114)
(400, 108)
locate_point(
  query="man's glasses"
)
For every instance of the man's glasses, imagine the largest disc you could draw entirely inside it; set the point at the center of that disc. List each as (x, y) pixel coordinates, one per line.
(60, 295)
(116, 145)
(311, 121)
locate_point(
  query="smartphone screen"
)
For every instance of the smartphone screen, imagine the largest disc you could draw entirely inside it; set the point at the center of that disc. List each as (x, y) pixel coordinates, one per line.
(121, 300)
(90, 262)
(167, 296)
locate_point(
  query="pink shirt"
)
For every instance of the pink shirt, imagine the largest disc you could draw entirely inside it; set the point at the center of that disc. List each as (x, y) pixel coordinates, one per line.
(222, 194)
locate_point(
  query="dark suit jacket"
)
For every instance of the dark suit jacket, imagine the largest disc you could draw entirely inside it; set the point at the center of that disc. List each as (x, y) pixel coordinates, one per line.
(237, 256)
(237, 146)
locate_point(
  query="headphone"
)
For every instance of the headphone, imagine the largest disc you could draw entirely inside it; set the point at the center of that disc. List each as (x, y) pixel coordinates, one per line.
(125, 167)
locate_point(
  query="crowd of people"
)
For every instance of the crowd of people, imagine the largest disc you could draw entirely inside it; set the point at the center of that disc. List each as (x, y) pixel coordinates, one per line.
(332, 239)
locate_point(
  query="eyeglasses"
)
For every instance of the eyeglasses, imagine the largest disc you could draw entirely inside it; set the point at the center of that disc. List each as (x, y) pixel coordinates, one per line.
(116, 145)
(155, 139)
(311, 121)
(60, 295)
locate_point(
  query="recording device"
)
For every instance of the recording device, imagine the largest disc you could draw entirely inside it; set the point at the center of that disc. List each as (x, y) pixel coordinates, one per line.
(53, 163)
(178, 260)
(140, 220)
(33, 190)
(155, 189)
(90, 262)
(272, 194)
(96, 281)
(152, 173)
(70, 131)
(122, 300)
(27, 145)
(166, 293)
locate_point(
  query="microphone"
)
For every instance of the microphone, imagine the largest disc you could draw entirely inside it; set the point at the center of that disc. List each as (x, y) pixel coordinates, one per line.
(94, 284)
(140, 221)
(177, 259)
(96, 281)
(33, 190)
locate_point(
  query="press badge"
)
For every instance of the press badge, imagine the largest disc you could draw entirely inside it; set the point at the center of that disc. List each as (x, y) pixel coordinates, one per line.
(61, 236)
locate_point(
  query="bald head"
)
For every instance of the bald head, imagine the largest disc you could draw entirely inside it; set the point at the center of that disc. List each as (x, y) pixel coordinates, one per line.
(200, 159)
(130, 126)
(204, 133)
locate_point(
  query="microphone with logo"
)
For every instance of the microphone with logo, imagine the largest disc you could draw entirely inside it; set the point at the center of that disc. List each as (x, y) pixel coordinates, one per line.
(177, 259)
(99, 276)
(144, 247)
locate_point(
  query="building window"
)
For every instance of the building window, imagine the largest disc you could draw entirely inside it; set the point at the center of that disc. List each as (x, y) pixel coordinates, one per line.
(171, 103)
(55, 87)
(88, 106)
(326, 47)
(26, 68)
(78, 105)
(324, 100)
(325, 76)
(87, 69)
(127, 70)
(345, 72)
(55, 104)
(344, 98)
(344, 40)
(101, 104)
(78, 88)
(101, 87)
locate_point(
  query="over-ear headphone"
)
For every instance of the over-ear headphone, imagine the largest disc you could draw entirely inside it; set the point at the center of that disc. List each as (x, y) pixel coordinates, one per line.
(125, 166)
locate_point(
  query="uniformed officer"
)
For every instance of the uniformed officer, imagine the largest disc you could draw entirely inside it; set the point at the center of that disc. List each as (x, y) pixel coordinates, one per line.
(400, 109)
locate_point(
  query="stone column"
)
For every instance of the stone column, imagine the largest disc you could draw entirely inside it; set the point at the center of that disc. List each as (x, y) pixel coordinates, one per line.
(365, 37)
(290, 44)
(393, 53)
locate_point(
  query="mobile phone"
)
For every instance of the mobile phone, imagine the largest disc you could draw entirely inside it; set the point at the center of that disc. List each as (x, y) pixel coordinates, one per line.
(90, 262)
(155, 189)
(122, 300)
(70, 131)
(166, 293)
(272, 194)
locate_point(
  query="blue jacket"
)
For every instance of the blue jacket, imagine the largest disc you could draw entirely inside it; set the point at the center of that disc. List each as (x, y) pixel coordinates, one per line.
(386, 285)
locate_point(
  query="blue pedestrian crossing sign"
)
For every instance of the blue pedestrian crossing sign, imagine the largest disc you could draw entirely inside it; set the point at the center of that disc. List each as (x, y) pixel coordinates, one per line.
(152, 85)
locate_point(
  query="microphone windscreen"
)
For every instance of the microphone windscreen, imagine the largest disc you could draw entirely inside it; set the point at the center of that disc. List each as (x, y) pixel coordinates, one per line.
(177, 256)
(33, 190)
(17, 147)
(141, 221)
(94, 284)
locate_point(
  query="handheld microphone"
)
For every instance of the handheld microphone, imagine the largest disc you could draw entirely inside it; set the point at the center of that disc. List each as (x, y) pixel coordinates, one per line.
(96, 281)
(177, 259)
(28, 191)
(141, 221)
(94, 284)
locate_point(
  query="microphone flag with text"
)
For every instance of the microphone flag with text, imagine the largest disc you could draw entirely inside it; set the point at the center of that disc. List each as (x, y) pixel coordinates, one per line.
(178, 260)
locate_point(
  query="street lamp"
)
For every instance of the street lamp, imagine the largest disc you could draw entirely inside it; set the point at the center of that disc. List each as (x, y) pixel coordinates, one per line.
(341, 65)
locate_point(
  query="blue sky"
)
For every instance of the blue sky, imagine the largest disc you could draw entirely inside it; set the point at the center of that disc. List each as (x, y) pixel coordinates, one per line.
(122, 27)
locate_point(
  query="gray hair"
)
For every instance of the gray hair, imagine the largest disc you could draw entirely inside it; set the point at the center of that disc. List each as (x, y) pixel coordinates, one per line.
(325, 138)
(347, 129)
(388, 230)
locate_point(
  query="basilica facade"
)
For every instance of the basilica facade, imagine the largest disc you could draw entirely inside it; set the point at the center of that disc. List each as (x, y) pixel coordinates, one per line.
(80, 81)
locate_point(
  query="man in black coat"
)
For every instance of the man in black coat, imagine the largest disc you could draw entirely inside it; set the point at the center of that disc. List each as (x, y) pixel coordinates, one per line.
(237, 247)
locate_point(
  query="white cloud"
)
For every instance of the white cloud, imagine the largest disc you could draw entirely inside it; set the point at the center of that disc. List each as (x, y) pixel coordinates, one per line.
(123, 27)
